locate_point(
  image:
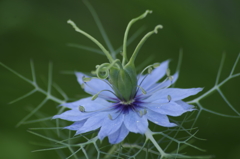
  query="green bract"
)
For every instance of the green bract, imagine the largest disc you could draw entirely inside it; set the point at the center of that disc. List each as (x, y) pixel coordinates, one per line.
(121, 74)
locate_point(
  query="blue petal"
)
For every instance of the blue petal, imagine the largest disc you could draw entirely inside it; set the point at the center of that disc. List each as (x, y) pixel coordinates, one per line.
(73, 115)
(159, 119)
(77, 125)
(162, 85)
(158, 86)
(171, 108)
(185, 105)
(93, 123)
(176, 94)
(76, 115)
(88, 104)
(154, 76)
(118, 135)
(135, 123)
(110, 126)
(96, 85)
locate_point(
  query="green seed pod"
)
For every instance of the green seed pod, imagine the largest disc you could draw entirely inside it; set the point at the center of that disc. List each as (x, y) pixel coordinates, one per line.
(124, 81)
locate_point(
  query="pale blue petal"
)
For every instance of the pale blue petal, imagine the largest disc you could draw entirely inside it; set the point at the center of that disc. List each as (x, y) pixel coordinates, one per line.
(154, 76)
(91, 108)
(96, 85)
(118, 135)
(159, 119)
(88, 104)
(110, 126)
(93, 123)
(158, 86)
(176, 94)
(73, 115)
(77, 125)
(162, 85)
(135, 123)
(171, 108)
(185, 105)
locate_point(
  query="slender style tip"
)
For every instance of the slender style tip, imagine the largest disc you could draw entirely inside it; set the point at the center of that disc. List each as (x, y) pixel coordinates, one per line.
(69, 21)
(157, 27)
(149, 11)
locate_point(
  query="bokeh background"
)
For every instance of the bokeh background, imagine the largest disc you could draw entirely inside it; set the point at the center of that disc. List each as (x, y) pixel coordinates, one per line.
(37, 30)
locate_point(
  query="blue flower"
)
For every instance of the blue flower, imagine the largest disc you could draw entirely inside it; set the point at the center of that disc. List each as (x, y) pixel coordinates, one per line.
(123, 101)
(115, 116)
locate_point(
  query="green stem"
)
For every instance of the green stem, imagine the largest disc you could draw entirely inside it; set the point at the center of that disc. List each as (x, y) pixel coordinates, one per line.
(149, 135)
(126, 33)
(134, 55)
(91, 38)
(111, 151)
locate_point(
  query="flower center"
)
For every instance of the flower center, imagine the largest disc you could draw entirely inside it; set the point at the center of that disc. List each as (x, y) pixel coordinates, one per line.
(126, 106)
(128, 102)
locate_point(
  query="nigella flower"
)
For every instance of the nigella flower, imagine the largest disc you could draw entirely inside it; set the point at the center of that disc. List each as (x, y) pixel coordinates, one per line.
(123, 101)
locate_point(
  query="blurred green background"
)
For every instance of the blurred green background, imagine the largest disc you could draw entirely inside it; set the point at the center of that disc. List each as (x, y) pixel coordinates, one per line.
(37, 30)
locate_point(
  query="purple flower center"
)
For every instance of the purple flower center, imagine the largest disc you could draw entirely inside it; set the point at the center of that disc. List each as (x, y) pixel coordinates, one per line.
(125, 107)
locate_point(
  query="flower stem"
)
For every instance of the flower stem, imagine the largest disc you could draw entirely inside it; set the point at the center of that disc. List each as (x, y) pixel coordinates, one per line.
(111, 151)
(149, 135)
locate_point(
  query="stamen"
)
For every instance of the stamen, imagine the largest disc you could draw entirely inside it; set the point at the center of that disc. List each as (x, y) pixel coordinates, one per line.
(147, 68)
(170, 78)
(155, 65)
(82, 86)
(86, 79)
(81, 109)
(144, 111)
(150, 70)
(169, 98)
(155, 89)
(159, 87)
(168, 72)
(169, 75)
(143, 91)
(95, 96)
(141, 113)
(110, 117)
(127, 103)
